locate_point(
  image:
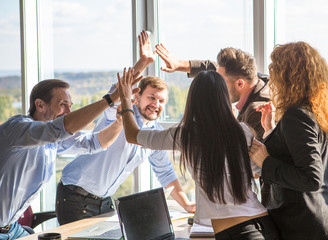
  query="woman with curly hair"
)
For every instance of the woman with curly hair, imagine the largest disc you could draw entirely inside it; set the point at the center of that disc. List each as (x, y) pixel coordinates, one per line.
(294, 156)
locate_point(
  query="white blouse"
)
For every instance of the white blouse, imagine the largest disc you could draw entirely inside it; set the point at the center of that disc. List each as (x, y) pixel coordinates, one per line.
(206, 209)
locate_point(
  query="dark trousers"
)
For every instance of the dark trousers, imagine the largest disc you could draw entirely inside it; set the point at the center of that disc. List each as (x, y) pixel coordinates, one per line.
(74, 203)
(255, 229)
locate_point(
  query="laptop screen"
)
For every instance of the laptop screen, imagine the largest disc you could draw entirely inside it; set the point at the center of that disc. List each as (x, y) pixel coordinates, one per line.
(145, 215)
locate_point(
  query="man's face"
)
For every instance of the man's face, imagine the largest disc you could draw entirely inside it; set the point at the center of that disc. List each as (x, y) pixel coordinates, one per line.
(234, 95)
(59, 105)
(151, 103)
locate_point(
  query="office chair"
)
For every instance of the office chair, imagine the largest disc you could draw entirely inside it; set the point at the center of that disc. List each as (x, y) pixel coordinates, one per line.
(30, 220)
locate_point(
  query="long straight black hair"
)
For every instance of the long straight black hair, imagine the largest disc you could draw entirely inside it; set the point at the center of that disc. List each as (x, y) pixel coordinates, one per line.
(212, 141)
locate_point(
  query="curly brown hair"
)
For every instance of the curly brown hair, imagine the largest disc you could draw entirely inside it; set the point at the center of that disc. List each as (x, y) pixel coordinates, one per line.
(299, 77)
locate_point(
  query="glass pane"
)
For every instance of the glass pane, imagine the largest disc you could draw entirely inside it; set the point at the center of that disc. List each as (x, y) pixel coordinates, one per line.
(199, 33)
(301, 20)
(10, 61)
(89, 48)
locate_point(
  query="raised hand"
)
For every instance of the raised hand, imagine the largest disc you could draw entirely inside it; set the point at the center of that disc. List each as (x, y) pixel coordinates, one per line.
(146, 53)
(171, 63)
(125, 83)
(268, 116)
(115, 96)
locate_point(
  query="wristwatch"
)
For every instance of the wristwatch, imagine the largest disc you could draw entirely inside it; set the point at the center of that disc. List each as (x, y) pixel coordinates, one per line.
(108, 99)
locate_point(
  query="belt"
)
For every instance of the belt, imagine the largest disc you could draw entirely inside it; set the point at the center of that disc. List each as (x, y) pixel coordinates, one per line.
(82, 192)
(5, 229)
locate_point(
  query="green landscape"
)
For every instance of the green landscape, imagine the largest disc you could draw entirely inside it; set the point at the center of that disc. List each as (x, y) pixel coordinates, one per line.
(88, 87)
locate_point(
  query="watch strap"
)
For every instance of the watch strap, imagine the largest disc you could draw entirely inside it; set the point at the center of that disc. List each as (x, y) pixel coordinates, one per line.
(108, 99)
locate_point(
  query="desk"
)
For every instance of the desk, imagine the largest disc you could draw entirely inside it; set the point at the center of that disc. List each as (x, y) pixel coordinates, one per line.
(181, 228)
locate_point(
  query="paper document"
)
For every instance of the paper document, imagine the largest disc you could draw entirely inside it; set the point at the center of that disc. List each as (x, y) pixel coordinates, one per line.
(198, 230)
(175, 215)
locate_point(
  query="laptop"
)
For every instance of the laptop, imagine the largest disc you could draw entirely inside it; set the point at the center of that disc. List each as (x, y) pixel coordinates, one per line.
(145, 216)
(139, 216)
(108, 230)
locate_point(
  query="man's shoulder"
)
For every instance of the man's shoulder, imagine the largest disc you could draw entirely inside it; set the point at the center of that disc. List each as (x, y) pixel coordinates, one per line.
(17, 119)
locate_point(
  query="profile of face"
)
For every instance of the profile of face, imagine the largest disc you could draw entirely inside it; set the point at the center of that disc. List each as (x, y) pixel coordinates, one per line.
(151, 102)
(59, 105)
(234, 95)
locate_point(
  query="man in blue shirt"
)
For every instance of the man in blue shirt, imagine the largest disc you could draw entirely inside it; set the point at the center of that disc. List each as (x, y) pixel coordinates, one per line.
(89, 181)
(29, 144)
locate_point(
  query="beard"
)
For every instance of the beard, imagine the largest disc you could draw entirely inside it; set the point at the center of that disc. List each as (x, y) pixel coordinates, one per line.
(148, 117)
(234, 96)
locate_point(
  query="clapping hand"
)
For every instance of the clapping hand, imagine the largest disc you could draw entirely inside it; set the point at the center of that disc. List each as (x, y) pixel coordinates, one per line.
(268, 116)
(171, 63)
(146, 53)
(126, 82)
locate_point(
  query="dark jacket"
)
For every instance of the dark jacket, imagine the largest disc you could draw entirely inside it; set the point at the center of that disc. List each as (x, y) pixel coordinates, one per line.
(296, 177)
(258, 96)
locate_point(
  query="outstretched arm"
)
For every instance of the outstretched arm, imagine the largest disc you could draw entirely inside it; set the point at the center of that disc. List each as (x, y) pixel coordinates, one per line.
(178, 195)
(171, 63)
(108, 135)
(125, 88)
(79, 119)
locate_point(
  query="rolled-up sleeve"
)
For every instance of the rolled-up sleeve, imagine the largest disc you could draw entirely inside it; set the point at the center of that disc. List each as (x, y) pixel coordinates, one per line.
(196, 66)
(29, 133)
(81, 143)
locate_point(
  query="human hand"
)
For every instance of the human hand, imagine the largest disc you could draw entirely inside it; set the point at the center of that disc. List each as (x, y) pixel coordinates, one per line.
(258, 152)
(125, 84)
(146, 53)
(268, 115)
(190, 208)
(171, 63)
(115, 96)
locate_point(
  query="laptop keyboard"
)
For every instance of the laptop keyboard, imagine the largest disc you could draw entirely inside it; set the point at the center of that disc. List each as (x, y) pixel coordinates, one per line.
(113, 233)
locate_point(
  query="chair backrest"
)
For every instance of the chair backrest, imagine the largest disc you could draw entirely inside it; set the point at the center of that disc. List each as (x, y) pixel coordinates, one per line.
(27, 218)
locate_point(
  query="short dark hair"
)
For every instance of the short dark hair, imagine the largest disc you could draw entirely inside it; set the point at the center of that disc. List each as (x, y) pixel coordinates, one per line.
(154, 82)
(237, 63)
(43, 91)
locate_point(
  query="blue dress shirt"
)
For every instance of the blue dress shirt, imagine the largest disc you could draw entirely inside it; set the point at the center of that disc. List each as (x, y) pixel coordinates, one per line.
(28, 151)
(102, 173)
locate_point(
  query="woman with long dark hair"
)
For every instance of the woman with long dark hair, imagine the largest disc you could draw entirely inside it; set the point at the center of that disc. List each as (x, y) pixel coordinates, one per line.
(294, 157)
(214, 148)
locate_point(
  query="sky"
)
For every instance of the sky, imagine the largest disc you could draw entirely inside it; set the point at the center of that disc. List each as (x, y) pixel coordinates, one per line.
(96, 35)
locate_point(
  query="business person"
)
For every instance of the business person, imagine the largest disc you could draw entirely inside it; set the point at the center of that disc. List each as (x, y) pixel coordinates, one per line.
(247, 88)
(89, 181)
(294, 156)
(214, 148)
(29, 144)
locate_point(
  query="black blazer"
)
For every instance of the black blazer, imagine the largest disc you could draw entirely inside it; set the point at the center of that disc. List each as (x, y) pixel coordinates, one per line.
(296, 177)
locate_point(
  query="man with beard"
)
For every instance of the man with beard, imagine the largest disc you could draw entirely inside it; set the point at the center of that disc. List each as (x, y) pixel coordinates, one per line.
(89, 181)
(247, 88)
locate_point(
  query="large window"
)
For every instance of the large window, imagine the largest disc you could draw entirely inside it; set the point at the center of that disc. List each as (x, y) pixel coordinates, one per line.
(198, 30)
(82, 43)
(301, 20)
(10, 64)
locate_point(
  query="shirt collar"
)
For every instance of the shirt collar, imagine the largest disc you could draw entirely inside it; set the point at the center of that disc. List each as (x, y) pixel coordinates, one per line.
(140, 120)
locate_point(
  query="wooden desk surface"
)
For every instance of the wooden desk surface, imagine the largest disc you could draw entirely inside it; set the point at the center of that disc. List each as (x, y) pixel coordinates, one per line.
(181, 228)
